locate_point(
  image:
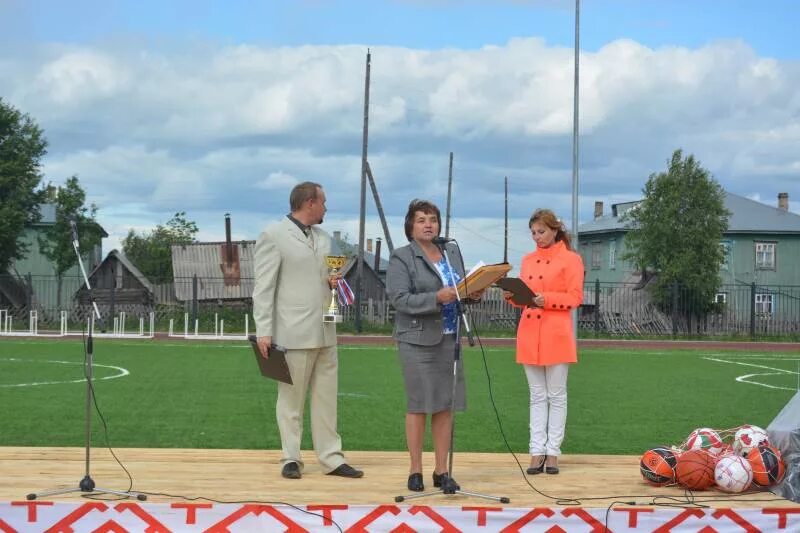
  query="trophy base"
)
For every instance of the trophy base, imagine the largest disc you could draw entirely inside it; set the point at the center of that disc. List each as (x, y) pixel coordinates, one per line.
(335, 319)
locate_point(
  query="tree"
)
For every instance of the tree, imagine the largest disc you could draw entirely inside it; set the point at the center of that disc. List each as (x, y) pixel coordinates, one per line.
(22, 146)
(675, 232)
(152, 252)
(55, 242)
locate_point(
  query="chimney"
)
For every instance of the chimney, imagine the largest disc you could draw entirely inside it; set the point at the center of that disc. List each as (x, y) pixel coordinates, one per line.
(369, 245)
(783, 201)
(598, 210)
(377, 255)
(228, 245)
(337, 235)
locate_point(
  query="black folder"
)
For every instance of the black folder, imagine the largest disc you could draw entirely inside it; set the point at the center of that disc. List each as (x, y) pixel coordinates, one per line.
(521, 294)
(274, 367)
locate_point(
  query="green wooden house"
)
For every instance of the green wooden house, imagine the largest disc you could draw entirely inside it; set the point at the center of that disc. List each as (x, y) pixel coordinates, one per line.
(761, 271)
(31, 280)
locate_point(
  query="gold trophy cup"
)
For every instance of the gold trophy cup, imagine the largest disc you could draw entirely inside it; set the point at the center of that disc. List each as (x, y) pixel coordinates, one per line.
(334, 262)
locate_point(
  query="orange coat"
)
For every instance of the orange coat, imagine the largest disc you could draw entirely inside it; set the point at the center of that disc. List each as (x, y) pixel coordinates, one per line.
(545, 335)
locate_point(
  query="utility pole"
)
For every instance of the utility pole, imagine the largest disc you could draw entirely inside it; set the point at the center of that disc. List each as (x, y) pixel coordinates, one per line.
(449, 194)
(505, 218)
(363, 214)
(379, 206)
(575, 129)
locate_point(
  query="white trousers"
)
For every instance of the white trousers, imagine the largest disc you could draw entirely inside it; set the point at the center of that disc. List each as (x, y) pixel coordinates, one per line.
(314, 373)
(548, 403)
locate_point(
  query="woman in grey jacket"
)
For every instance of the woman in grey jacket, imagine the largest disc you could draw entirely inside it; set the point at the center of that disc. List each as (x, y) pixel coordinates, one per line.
(420, 287)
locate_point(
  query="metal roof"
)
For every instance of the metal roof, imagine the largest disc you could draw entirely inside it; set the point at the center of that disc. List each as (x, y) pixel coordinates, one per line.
(747, 216)
(205, 260)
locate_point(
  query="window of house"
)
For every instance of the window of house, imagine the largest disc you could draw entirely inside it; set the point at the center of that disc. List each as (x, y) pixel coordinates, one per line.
(596, 261)
(765, 255)
(721, 298)
(726, 247)
(763, 304)
(612, 254)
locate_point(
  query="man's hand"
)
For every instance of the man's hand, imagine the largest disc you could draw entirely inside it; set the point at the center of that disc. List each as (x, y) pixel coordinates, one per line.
(263, 344)
(333, 280)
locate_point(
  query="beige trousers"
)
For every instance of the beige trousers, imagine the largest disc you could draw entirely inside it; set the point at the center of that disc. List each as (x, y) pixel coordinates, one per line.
(315, 373)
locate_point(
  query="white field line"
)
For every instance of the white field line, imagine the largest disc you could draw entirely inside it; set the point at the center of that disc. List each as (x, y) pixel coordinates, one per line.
(122, 372)
(749, 378)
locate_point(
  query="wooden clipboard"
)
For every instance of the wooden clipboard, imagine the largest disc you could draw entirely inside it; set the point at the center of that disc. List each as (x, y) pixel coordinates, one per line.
(482, 278)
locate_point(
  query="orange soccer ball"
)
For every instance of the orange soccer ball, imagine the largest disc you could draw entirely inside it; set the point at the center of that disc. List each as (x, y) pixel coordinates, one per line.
(658, 466)
(695, 469)
(768, 466)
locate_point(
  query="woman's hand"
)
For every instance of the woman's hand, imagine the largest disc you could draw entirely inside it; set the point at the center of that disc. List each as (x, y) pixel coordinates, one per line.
(475, 295)
(538, 300)
(446, 295)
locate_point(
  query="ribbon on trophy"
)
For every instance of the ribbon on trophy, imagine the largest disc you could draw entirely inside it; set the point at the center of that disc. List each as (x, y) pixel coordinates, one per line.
(346, 296)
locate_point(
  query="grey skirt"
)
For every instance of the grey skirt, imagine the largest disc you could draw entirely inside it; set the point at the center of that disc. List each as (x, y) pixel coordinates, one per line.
(428, 376)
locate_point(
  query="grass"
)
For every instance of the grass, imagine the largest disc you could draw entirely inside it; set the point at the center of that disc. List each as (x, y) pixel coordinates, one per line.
(209, 395)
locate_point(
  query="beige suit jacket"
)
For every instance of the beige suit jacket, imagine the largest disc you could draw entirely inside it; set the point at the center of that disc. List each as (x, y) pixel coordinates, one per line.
(291, 290)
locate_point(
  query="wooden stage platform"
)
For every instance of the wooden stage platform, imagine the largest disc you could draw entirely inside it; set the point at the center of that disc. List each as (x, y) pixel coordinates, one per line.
(254, 476)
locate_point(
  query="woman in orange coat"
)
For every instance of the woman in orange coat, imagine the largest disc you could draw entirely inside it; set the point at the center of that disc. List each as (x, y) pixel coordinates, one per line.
(545, 340)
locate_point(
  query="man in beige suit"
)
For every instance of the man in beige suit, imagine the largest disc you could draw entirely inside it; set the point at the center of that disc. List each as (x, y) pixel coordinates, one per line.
(292, 290)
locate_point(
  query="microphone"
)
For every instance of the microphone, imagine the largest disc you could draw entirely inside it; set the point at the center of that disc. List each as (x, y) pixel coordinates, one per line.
(441, 240)
(74, 228)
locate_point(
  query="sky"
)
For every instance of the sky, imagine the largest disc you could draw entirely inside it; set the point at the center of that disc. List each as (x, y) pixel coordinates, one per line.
(221, 107)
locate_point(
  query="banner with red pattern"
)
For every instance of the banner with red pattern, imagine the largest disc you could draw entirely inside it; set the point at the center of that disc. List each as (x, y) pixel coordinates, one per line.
(102, 517)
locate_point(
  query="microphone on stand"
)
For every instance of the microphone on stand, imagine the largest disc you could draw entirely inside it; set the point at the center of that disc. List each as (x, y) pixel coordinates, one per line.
(74, 229)
(442, 240)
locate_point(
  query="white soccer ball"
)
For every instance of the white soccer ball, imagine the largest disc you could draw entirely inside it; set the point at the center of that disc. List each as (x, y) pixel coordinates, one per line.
(733, 473)
(705, 439)
(748, 437)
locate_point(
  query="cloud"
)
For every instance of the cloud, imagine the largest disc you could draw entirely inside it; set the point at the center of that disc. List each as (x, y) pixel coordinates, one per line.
(278, 181)
(212, 129)
(74, 77)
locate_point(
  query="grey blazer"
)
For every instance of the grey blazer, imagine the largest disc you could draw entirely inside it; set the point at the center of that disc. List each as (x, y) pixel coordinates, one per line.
(411, 285)
(291, 287)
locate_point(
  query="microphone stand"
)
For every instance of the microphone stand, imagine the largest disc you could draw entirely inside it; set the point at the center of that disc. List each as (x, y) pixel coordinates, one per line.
(86, 484)
(449, 486)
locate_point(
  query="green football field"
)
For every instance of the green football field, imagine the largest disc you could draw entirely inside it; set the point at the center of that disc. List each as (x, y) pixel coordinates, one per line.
(210, 395)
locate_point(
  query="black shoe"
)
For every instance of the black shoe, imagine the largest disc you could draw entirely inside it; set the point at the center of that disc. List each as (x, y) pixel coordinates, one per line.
(291, 470)
(345, 470)
(442, 479)
(533, 470)
(415, 483)
(551, 469)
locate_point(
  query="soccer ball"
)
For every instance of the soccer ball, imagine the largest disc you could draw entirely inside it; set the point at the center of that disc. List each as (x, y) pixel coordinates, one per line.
(705, 439)
(747, 438)
(658, 466)
(733, 473)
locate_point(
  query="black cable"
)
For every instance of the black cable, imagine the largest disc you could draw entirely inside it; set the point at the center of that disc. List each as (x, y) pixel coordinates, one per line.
(242, 502)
